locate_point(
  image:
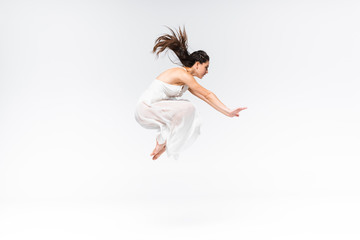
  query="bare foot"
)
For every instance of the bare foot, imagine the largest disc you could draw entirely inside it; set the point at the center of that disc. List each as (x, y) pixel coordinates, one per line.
(158, 148)
(159, 153)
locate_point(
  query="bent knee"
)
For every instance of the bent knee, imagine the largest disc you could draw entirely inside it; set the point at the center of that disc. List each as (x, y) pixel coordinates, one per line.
(188, 108)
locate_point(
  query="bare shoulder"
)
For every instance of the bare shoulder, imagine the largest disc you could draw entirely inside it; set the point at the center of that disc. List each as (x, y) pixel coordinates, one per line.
(178, 76)
(194, 87)
(175, 76)
(186, 78)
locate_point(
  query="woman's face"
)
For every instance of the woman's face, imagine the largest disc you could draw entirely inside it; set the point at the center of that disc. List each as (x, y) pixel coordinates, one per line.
(202, 69)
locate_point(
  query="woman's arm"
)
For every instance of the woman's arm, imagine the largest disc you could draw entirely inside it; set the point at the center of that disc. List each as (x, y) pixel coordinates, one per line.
(212, 100)
(196, 89)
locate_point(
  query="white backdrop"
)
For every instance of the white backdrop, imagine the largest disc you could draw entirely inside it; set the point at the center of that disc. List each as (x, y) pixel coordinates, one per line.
(74, 163)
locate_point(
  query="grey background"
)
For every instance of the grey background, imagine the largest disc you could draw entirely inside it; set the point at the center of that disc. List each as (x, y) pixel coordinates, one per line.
(74, 164)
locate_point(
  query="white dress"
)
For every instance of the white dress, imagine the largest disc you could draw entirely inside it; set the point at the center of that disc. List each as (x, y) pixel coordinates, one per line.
(176, 120)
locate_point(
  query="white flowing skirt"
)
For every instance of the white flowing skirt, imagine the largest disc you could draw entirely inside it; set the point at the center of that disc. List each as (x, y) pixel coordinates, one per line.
(177, 122)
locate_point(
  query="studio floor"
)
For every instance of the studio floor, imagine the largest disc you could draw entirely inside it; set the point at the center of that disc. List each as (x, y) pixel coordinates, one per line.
(184, 218)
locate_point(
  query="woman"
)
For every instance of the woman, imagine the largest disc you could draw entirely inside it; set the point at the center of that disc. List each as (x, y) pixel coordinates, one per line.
(161, 107)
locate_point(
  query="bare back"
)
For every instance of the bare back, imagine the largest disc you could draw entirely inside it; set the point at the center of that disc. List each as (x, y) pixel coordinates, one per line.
(173, 76)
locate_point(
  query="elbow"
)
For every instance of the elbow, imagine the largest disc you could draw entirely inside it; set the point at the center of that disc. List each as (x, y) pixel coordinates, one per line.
(209, 95)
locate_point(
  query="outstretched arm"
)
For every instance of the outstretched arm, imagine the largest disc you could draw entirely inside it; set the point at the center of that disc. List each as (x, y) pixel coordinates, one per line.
(218, 105)
(209, 97)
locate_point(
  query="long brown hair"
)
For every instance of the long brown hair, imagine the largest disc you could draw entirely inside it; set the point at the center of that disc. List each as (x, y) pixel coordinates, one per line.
(177, 42)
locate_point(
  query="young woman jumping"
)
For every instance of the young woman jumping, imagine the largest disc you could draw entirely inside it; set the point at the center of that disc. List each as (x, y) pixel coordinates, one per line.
(161, 106)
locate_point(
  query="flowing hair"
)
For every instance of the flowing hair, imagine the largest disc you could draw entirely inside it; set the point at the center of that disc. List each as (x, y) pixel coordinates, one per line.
(177, 42)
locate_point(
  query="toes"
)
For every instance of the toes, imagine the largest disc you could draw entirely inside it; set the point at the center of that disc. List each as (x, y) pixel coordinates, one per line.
(156, 156)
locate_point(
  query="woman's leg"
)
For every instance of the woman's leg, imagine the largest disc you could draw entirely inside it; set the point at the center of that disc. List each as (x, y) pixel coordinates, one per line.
(174, 121)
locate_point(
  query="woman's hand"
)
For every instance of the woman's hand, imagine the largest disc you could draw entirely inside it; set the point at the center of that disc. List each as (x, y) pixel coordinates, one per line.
(235, 113)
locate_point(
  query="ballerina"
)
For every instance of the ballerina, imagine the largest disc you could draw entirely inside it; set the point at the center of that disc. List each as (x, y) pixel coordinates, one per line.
(161, 107)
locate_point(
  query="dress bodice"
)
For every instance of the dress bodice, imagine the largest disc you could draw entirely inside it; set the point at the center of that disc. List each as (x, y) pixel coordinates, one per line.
(172, 90)
(159, 90)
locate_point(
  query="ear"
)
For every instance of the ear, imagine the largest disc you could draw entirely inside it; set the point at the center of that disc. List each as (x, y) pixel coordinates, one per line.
(197, 64)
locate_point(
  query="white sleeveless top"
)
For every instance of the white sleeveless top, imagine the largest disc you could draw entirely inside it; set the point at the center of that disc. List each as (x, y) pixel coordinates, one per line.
(159, 90)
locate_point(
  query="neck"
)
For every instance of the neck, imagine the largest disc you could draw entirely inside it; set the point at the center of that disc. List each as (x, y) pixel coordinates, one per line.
(190, 70)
